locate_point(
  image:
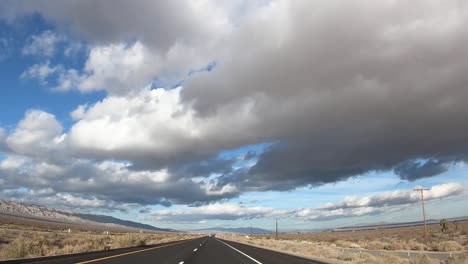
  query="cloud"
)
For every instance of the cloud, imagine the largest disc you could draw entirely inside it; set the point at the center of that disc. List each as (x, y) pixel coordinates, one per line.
(151, 20)
(79, 112)
(38, 133)
(350, 207)
(114, 66)
(384, 202)
(336, 100)
(5, 48)
(41, 72)
(413, 170)
(144, 210)
(11, 163)
(110, 181)
(215, 211)
(42, 44)
(124, 68)
(164, 41)
(56, 160)
(156, 130)
(3, 136)
(397, 197)
(344, 102)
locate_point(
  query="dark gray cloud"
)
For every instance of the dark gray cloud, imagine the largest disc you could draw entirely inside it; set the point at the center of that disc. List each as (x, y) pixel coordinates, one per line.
(144, 210)
(160, 23)
(250, 155)
(204, 168)
(345, 97)
(110, 182)
(413, 170)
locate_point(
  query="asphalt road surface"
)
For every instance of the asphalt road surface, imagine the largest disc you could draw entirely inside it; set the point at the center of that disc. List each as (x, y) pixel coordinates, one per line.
(196, 251)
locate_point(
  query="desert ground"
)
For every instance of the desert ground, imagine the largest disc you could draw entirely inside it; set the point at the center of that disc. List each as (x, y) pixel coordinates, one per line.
(28, 238)
(328, 245)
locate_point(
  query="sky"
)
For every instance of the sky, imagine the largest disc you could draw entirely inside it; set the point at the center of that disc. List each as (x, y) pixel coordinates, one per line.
(194, 114)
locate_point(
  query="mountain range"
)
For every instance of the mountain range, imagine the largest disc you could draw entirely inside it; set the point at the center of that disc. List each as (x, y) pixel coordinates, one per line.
(47, 214)
(240, 230)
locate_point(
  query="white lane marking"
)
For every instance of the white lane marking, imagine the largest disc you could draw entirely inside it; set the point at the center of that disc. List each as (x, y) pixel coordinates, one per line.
(181, 262)
(201, 244)
(256, 261)
(195, 249)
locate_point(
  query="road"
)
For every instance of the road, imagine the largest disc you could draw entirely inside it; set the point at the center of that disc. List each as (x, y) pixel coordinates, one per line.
(196, 251)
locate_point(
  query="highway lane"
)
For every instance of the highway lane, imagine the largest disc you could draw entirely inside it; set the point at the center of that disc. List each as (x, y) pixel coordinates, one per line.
(267, 256)
(196, 251)
(214, 251)
(171, 252)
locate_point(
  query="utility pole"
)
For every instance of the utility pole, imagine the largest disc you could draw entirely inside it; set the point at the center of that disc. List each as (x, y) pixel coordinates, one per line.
(250, 229)
(276, 228)
(424, 210)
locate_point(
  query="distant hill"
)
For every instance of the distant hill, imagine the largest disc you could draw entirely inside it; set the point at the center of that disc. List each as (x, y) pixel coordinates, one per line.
(239, 230)
(394, 225)
(39, 212)
(117, 221)
(376, 225)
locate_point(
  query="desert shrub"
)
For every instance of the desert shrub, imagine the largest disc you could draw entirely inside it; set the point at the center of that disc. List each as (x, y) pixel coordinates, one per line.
(128, 240)
(347, 257)
(328, 253)
(395, 245)
(449, 246)
(415, 245)
(3, 233)
(364, 258)
(424, 259)
(40, 244)
(81, 245)
(123, 241)
(464, 232)
(461, 259)
(375, 244)
(346, 244)
(140, 242)
(70, 249)
(18, 248)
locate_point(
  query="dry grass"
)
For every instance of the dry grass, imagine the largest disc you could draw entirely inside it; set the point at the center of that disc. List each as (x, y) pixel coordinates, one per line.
(403, 238)
(21, 243)
(449, 246)
(328, 245)
(313, 249)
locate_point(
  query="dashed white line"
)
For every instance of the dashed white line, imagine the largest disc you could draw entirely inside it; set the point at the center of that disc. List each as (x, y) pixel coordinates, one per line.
(195, 249)
(256, 261)
(181, 262)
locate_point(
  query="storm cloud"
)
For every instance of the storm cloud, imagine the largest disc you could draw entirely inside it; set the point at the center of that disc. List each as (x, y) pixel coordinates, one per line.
(336, 89)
